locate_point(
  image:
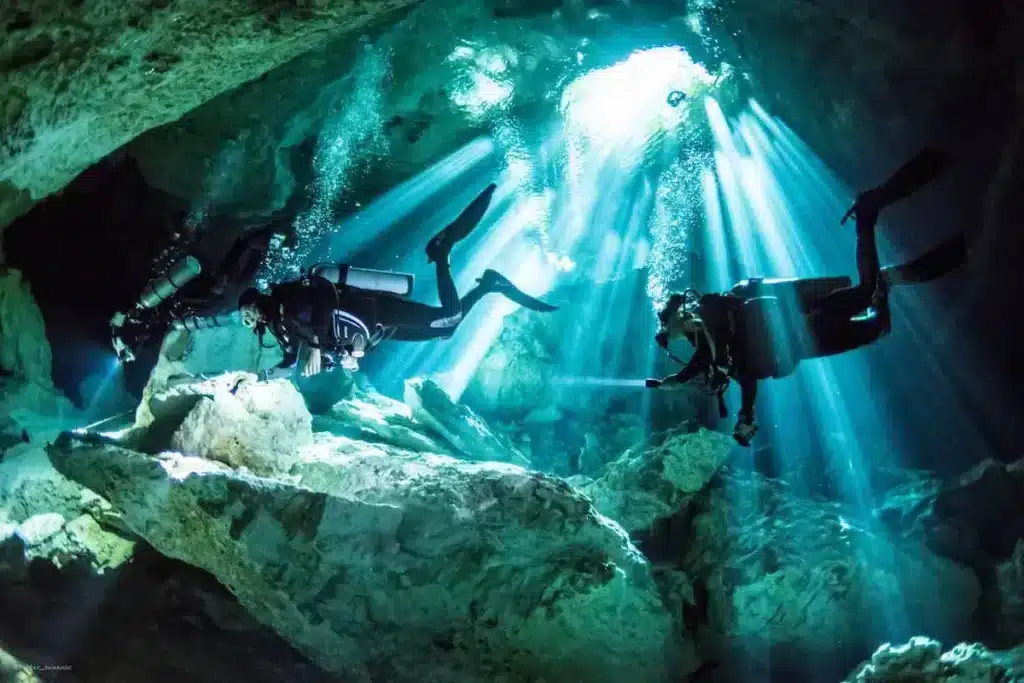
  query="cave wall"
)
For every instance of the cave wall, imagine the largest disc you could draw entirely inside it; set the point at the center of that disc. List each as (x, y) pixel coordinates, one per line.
(81, 79)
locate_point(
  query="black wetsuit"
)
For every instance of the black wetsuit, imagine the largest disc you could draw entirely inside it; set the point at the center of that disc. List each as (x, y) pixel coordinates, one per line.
(317, 309)
(836, 326)
(833, 325)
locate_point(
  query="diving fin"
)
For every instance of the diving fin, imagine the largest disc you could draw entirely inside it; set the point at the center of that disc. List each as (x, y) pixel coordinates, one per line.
(440, 246)
(495, 282)
(931, 265)
(928, 165)
(925, 167)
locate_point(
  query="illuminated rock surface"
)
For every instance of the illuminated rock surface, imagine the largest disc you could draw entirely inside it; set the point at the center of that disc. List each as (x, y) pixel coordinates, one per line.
(380, 564)
(923, 660)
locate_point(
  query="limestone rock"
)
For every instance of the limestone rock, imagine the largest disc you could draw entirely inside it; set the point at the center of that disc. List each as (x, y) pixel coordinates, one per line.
(187, 355)
(232, 418)
(806, 577)
(654, 480)
(24, 349)
(922, 660)
(39, 410)
(517, 372)
(975, 520)
(81, 80)
(29, 486)
(371, 417)
(457, 424)
(212, 351)
(80, 542)
(408, 568)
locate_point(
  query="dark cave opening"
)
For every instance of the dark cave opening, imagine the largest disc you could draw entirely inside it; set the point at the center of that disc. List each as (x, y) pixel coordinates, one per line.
(87, 252)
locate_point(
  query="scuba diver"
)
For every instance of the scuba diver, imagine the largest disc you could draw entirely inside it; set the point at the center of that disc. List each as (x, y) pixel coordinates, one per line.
(337, 313)
(198, 289)
(762, 328)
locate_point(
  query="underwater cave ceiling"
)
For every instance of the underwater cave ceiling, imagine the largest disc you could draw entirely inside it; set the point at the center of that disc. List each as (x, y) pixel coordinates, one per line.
(83, 79)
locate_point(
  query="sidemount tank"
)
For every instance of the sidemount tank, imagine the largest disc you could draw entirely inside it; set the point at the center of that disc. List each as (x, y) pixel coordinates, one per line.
(366, 278)
(804, 292)
(159, 289)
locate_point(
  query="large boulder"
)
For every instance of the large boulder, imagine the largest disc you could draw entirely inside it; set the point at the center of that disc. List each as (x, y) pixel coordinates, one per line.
(232, 417)
(656, 478)
(81, 80)
(383, 566)
(922, 660)
(212, 351)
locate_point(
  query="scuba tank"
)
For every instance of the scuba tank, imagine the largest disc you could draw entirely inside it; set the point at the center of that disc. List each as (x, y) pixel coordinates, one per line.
(159, 289)
(366, 279)
(805, 292)
(774, 322)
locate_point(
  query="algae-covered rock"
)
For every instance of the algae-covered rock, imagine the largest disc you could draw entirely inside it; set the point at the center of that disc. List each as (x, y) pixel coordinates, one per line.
(654, 480)
(82, 79)
(407, 568)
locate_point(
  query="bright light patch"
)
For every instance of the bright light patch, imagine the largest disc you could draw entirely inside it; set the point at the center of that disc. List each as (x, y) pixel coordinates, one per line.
(627, 102)
(181, 467)
(560, 263)
(484, 94)
(519, 170)
(484, 86)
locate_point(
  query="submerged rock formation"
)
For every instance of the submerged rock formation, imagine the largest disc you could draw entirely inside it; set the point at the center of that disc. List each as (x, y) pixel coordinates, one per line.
(457, 424)
(24, 350)
(82, 80)
(976, 521)
(922, 660)
(771, 581)
(805, 576)
(656, 480)
(384, 564)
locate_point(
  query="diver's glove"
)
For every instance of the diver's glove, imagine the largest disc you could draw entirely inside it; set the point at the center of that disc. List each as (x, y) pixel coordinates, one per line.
(653, 383)
(744, 430)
